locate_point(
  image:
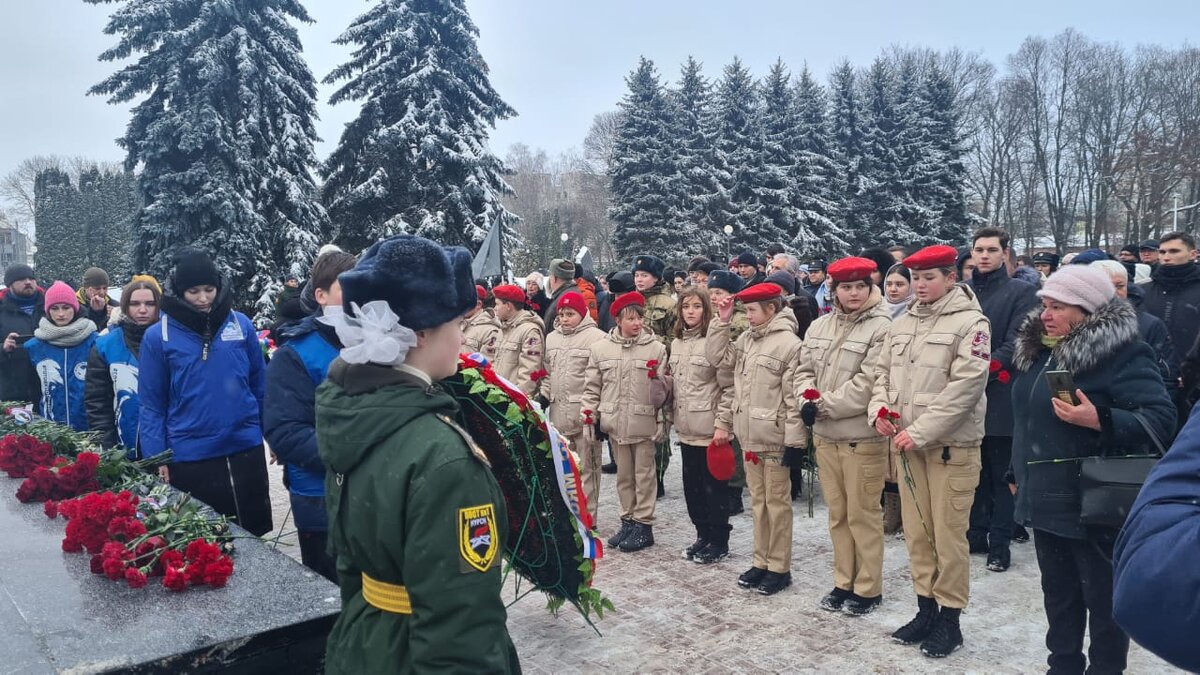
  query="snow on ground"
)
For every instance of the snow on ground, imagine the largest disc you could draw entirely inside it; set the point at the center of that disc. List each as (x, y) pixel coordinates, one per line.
(676, 616)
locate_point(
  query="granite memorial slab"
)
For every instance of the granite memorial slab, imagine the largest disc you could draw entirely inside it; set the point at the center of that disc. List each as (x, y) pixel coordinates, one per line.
(58, 617)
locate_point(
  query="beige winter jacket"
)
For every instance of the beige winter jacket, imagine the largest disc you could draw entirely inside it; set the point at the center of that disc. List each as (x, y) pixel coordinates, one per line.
(933, 369)
(618, 385)
(699, 385)
(838, 360)
(521, 349)
(482, 334)
(760, 408)
(567, 353)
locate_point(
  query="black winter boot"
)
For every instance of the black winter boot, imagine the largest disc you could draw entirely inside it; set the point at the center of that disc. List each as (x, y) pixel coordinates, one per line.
(999, 559)
(616, 539)
(921, 626)
(690, 552)
(835, 600)
(946, 637)
(752, 577)
(711, 553)
(857, 605)
(641, 536)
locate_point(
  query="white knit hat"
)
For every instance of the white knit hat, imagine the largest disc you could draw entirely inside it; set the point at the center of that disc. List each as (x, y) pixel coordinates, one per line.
(1084, 286)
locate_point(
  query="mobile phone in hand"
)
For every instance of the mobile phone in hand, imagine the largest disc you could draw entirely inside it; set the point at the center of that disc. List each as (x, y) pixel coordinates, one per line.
(1062, 386)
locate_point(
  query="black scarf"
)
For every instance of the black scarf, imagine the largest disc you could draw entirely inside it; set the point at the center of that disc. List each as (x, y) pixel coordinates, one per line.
(132, 333)
(201, 323)
(1171, 276)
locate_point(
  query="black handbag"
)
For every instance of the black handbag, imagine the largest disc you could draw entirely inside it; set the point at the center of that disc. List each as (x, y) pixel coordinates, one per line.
(1110, 484)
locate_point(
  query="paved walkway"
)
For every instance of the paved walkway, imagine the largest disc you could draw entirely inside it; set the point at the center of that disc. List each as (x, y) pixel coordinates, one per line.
(676, 616)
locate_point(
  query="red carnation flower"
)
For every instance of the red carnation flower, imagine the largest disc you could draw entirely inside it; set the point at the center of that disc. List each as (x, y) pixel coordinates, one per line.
(1003, 377)
(885, 414)
(994, 366)
(751, 457)
(50, 508)
(811, 395)
(539, 375)
(175, 579)
(135, 578)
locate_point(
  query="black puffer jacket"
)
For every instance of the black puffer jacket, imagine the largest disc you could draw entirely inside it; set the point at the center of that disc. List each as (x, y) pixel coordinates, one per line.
(18, 379)
(1119, 373)
(1005, 302)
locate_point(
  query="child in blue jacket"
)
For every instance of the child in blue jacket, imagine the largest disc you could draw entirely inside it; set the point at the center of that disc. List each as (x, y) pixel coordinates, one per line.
(201, 385)
(59, 352)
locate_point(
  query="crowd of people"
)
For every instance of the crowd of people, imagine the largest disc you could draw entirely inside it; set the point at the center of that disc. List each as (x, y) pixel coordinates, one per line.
(927, 383)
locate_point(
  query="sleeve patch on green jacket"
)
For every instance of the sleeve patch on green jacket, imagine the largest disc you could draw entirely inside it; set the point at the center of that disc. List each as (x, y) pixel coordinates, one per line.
(477, 537)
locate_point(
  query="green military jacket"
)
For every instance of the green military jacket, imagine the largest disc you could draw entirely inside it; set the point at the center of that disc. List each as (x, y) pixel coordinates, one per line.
(410, 503)
(660, 312)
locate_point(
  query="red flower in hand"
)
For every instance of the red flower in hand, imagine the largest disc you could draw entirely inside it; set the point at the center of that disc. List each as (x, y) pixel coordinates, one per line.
(1003, 377)
(885, 414)
(751, 457)
(539, 375)
(811, 395)
(994, 366)
(652, 364)
(587, 417)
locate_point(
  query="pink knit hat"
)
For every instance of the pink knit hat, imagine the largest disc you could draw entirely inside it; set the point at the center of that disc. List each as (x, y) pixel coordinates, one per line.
(61, 293)
(1081, 285)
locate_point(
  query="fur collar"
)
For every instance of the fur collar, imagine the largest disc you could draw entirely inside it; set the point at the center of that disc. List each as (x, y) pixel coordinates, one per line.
(1087, 346)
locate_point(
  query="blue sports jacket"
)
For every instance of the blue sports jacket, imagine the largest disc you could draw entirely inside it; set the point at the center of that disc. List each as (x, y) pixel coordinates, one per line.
(121, 366)
(200, 403)
(62, 372)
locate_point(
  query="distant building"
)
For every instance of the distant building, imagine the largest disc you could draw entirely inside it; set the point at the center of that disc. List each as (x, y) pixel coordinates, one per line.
(14, 247)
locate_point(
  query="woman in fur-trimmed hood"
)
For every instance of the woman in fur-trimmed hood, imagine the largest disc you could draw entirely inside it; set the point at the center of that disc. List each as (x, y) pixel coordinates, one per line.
(1084, 329)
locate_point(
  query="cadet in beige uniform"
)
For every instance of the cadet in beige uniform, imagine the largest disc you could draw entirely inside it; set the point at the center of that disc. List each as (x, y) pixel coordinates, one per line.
(621, 389)
(568, 349)
(932, 372)
(522, 341)
(481, 328)
(761, 411)
(838, 362)
(659, 318)
(699, 385)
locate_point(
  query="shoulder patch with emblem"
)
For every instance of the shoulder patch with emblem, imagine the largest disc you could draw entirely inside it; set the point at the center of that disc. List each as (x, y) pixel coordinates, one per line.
(477, 536)
(979, 346)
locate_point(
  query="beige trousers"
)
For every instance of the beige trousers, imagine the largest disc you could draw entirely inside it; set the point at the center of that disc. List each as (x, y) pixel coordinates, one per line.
(852, 481)
(637, 481)
(771, 503)
(943, 487)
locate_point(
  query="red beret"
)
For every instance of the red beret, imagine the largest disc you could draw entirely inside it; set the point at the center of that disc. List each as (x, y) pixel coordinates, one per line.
(623, 301)
(932, 257)
(509, 292)
(573, 301)
(480, 292)
(852, 269)
(760, 292)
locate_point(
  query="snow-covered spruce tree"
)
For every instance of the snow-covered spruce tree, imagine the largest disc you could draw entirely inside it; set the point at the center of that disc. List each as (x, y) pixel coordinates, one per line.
(887, 207)
(109, 202)
(59, 223)
(694, 185)
(777, 123)
(224, 135)
(416, 158)
(642, 170)
(815, 178)
(938, 174)
(737, 157)
(847, 133)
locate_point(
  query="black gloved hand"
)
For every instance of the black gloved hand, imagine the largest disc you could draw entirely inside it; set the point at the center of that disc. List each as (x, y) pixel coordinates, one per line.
(808, 413)
(792, 457)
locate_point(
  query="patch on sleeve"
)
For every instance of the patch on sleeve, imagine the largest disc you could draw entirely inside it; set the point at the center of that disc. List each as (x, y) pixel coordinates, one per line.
(979, 346)
(477, 537)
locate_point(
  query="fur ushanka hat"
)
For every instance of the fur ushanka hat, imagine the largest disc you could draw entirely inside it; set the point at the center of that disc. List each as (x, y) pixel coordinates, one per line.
(424, 283)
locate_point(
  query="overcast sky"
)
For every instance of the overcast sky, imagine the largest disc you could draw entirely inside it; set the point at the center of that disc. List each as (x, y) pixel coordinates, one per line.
(557, 62)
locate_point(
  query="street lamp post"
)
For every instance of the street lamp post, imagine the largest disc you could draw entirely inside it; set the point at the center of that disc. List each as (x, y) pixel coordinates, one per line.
(566, 247)
(728, 234)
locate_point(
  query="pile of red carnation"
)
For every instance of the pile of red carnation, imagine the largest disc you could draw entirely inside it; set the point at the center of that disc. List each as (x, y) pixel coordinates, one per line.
(111, 527)
(63, 480)
(20, 455)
